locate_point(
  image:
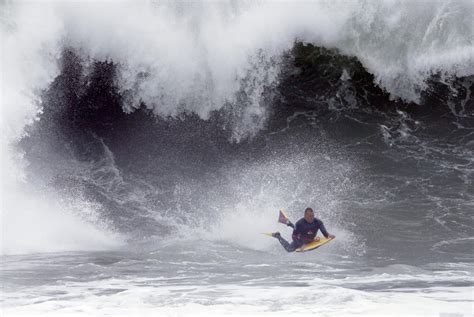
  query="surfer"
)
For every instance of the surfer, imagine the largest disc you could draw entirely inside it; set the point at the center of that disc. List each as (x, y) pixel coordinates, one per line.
(303, 232)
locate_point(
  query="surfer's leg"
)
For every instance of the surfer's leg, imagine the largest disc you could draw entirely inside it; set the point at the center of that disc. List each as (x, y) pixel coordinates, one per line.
(290, 247)
(295, 244)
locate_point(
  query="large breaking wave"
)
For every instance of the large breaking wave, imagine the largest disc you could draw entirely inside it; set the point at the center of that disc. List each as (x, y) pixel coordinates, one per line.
(194, 76)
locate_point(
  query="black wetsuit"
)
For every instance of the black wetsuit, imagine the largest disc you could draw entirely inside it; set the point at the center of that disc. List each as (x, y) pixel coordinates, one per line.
(303, 233)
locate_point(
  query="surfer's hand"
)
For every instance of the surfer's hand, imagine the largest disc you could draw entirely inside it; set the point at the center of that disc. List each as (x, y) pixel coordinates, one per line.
(316, 238)
(331, 236)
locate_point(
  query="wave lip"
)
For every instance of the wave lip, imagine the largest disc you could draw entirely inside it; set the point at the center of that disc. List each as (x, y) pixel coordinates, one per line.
(174, 57)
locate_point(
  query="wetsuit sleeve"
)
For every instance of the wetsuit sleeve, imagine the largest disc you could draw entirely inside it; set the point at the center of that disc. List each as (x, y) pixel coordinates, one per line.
(323, 229)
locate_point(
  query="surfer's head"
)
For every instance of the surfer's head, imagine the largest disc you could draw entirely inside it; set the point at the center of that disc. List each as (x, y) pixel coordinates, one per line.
(309, 215)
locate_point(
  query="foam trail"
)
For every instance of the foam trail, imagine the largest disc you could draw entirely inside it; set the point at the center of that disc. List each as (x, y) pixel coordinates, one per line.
(35, 223)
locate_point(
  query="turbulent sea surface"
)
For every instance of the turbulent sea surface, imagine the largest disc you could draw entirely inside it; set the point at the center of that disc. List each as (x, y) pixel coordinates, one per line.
(147, 145)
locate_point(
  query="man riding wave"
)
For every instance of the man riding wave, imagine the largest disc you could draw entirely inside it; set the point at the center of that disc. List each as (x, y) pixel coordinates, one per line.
(304, 231)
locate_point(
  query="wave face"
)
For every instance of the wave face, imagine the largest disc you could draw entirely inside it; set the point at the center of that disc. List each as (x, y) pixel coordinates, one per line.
(136, 121)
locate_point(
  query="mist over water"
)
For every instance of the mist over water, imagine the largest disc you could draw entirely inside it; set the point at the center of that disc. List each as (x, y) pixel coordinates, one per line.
(147, 145)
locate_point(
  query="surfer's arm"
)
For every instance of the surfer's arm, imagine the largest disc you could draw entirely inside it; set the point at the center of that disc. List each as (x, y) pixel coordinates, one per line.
(323, 229)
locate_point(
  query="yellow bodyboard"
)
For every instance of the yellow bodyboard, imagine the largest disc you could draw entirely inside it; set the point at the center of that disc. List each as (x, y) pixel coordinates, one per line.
(313, 245)
(309, 246)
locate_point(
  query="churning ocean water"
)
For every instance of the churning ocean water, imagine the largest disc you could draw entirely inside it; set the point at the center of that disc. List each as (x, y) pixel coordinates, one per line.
(146, 145)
